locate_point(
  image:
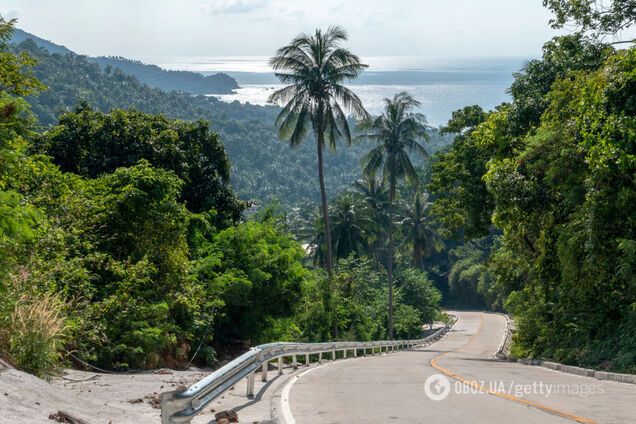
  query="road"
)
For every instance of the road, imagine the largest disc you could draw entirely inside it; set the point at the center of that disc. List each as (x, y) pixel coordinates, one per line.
(481, 389)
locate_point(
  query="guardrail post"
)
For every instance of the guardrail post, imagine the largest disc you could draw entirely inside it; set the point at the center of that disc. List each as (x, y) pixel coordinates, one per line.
(355, 353)
(294, 362)
(307, 359)
(264, 371)
(319, 357)
(344, 354)
(250, 385)
(333, 355)
(280, 365)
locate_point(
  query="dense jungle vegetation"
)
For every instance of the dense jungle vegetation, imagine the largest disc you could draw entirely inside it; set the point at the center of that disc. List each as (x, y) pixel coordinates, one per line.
(124, 239)
(123, 243)
(264, 170)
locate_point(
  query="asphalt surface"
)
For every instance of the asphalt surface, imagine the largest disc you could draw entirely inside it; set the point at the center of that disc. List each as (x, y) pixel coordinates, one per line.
(481, 389)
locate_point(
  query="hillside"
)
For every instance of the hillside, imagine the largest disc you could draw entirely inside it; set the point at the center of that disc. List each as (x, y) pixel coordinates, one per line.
(19, 36)
(154, 76)
(264, 169)
(183, 81)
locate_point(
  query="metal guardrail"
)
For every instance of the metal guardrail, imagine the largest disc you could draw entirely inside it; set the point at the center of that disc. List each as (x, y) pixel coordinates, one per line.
(182, 405)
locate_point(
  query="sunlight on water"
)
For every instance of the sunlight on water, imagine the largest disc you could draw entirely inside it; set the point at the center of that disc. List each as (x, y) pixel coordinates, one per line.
(442, 85)
(438, 100)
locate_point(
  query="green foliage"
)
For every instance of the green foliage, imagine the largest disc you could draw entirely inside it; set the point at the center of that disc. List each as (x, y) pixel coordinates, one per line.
(418, 229)
(353, 305)
(314, 69)
(473, 275)
(462, 203)
(602, 17)
(417, 291)
(32, 324)
(349, 307)
(123, 247)
(554, 173)
(33, 331)
(263, 169)
(141, 295)
(256, 271)
(561, 56)
(16, 71)
(91, 143)
(397, 134)
(353, 230)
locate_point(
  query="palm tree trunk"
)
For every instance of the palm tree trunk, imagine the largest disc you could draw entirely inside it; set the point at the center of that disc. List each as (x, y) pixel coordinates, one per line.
(389, 268)
(325, 210)
(417, 255)
(325, 216)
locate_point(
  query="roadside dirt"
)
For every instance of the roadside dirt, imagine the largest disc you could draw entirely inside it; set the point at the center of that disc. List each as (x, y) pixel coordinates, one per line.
(86, 396)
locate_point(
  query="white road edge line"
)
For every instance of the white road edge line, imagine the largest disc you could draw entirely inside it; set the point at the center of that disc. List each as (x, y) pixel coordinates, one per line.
(288, 417)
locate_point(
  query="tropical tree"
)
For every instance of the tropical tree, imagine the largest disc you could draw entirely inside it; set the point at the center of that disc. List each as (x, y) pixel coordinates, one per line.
(375, 195)
(418, 229)
(352, 228)
(602, 17)
(314, 67)
(397, 133)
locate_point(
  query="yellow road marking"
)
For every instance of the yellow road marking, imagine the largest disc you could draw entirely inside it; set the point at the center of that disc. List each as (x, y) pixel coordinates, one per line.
(506, 396)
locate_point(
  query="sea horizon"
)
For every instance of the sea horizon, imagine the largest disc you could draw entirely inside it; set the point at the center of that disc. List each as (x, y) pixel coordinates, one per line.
(442, 85)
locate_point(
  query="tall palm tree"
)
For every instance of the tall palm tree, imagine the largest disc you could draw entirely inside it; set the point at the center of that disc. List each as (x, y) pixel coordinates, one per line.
(418, 230)
(314, 67)
(397, 133)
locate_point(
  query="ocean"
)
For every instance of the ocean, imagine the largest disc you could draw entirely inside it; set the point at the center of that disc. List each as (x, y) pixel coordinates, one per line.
(441, 85)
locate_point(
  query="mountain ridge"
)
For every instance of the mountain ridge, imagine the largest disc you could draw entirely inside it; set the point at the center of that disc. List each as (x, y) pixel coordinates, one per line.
(152, 75)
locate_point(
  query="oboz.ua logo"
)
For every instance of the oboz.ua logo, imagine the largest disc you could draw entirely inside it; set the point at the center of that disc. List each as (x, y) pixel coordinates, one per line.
(437, 387)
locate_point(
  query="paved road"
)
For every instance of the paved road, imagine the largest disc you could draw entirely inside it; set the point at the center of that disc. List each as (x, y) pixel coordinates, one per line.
(391, 388)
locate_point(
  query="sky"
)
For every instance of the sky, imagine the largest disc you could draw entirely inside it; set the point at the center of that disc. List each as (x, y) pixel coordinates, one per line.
(154, 28)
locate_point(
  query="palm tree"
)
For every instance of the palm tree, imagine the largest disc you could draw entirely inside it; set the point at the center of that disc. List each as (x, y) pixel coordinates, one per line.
(397, 132)
(315, 67)
(374, 193)
(351, 228)
(418, 230)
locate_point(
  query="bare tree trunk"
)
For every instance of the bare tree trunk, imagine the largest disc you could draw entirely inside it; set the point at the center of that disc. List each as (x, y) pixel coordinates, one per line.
(417, 255)
(325, 207)
(325, 217)
(389, 268)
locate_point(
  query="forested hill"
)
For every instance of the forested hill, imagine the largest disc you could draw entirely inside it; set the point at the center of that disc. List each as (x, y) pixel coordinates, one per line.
(154, 76)
(184, 81)
(264, 169)
(19, 36)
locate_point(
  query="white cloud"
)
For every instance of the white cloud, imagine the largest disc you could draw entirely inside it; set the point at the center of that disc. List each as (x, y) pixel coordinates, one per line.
(223, 7)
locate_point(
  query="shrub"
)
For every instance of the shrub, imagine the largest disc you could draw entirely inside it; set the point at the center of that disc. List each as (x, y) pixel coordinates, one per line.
(35, 333)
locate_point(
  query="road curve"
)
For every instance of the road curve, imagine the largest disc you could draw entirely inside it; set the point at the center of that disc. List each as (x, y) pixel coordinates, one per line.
(391, 388)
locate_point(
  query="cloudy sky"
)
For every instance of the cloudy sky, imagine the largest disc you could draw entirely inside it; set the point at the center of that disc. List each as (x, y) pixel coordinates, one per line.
(146, 28)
